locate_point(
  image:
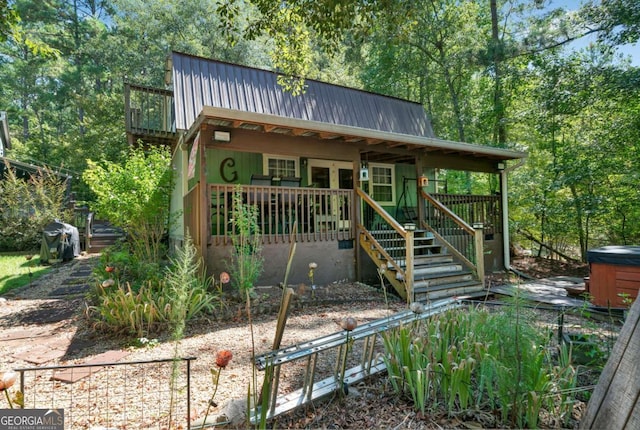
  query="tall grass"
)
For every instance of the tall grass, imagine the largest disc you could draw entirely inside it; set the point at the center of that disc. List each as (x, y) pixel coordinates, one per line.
(476, 358)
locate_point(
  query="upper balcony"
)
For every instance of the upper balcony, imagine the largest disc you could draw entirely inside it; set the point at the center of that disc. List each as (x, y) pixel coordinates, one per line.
(149, 115)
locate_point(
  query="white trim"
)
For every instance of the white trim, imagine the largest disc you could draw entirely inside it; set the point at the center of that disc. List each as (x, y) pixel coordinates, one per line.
(267, 157)
(392, 167)
(333, 167)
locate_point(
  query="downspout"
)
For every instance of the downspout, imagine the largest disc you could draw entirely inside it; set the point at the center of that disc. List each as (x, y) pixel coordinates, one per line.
(505, 215)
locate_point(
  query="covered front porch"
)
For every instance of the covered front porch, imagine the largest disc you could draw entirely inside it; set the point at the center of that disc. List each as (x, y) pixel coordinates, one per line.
(347, 234)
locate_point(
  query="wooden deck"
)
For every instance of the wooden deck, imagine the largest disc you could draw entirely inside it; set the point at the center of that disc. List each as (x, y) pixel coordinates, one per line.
(552, 291)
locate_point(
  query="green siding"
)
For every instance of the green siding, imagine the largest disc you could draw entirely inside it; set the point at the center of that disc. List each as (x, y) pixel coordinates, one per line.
(239, 165)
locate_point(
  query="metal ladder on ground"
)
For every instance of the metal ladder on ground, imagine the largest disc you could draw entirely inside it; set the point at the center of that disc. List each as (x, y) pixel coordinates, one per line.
(341, 343)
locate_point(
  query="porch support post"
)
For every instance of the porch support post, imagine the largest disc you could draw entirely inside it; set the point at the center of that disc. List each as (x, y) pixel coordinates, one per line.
(408, 269)
(205, 205)
(419, 199)
(479, 247)
(357, 216)
(504, 203)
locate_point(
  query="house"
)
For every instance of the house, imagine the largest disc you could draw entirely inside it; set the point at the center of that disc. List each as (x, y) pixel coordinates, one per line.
(349, 176)
(22, 169)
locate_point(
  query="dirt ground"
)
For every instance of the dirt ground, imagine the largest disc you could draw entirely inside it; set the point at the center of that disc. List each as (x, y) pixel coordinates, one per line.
(52, 312)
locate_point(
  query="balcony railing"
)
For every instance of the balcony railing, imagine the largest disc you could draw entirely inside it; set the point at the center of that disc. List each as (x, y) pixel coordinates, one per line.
(149, 111)
(284, 214)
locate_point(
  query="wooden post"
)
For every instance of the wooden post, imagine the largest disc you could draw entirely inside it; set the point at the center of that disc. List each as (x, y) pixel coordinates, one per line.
(615, 402)
(356, 202)
(419, 198)
(282, 317)
(408, 268)
(479, 248)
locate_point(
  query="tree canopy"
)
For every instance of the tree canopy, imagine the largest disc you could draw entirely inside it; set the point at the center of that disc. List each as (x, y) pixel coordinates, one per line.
(505, 73)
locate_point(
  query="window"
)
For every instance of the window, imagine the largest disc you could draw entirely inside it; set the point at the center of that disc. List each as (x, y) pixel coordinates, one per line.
(279, 166)
(383, 183)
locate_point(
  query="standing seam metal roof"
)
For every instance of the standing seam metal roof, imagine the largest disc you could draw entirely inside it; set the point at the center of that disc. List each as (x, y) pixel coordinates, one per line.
(199, 82)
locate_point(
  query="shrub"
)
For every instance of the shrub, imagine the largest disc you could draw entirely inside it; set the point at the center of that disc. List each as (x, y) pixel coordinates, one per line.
(126, 267)
(154, 305)
(135, 197)
(27, 206)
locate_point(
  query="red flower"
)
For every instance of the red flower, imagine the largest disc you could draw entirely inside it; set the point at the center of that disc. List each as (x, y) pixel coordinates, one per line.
(223, 358)
(109, 269)
(224, 278)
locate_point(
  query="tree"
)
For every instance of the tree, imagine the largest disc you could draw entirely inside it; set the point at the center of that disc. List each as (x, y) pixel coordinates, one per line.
(134, 196)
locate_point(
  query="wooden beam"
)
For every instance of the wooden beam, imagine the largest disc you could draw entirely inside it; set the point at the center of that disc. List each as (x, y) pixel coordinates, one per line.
(325, 135)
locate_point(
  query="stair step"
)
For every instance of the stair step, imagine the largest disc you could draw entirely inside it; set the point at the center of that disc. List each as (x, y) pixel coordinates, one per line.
(429, 259)
(448, 290)
(429, 248)
(430, 281)
(433, 270)
(421, 271)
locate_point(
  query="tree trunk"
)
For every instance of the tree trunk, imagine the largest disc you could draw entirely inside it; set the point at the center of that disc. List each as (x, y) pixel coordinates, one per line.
(497, 51)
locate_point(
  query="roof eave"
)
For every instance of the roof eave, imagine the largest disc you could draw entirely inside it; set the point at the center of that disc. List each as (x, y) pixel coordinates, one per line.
(414, 142)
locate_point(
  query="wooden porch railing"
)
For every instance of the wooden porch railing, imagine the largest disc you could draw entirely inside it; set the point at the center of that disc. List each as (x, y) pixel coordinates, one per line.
(461, 239)
(149, 111)
(378, 228)
(475, 209)
(320, 214)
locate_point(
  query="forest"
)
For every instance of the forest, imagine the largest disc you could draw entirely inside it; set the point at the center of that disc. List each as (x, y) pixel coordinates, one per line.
(546, 77)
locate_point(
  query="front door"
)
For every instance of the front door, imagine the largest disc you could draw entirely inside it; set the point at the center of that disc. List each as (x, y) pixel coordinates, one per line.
(333, 175)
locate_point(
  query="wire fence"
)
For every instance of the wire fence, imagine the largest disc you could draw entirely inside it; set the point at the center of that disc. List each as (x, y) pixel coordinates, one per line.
(152, 394)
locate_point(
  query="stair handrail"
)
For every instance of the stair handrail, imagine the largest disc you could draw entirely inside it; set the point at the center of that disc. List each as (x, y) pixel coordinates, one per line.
(477, 234)
(88, 234)
(383, 213)
(407, 235)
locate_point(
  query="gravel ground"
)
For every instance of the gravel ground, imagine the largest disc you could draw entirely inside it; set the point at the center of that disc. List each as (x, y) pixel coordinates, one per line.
(41, 318)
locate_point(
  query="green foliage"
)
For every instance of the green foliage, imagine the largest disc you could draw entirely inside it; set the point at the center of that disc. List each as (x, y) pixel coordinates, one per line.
(120, 310)
(127, 268)
(471, 357)
(189, 290)
(134, 196)
(27, 206)
(246, 256)
(16, 270)
(154, 305)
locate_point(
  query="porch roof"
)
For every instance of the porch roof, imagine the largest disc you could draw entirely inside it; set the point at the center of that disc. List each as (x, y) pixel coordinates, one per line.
(377, 145)
(386, 129)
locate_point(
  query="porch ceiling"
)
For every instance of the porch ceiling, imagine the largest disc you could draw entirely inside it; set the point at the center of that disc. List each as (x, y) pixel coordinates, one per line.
(375, 146)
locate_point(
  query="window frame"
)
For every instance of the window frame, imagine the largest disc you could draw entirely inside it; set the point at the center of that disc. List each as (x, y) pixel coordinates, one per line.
(392, 171)
(267, 157)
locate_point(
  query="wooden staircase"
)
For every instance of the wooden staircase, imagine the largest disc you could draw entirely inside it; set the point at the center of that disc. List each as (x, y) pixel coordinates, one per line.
(436, 273)
(102, 235)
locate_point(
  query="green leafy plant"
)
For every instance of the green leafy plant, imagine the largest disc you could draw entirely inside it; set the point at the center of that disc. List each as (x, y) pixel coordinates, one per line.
(134, 196)
(475, 357)
(246, 257)
(27, 206)
(155, 305)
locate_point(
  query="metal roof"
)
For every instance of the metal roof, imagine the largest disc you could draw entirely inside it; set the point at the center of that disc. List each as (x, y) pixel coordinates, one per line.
(200, 82)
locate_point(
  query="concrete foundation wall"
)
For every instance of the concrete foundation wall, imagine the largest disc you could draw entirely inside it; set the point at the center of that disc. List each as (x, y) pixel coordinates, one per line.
(334, 263)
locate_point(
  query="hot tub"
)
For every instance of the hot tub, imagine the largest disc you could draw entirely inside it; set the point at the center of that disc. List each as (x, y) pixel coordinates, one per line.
(614, 275)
